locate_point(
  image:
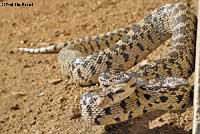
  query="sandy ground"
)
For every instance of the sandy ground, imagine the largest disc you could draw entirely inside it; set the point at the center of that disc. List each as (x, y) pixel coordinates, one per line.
(34, 96)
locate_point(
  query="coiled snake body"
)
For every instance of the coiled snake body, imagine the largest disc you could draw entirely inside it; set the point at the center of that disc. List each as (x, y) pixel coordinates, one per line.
(126, 91)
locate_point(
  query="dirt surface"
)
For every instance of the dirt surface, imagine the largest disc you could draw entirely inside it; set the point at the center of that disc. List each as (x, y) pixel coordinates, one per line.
(34, 96)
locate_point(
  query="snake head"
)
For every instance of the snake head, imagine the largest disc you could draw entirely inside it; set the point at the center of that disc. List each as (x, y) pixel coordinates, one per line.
(83, 71)
(65, 59)
(114, 77)
(89, 98)
(90, 109)
(96, 98)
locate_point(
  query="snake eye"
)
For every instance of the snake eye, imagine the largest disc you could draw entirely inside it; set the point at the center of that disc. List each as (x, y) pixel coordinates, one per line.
(77, 61)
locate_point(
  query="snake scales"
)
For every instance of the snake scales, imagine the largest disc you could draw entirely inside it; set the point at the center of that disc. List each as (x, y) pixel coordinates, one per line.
(126, 91)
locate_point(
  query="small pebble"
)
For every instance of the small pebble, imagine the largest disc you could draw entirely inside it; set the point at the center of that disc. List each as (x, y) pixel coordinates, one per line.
(29, 110)
(23, 41)
(32, 44)
(13, 24)
(32, 122)
(61, 99)
(56, 34)
(27, 66)
(15, 107)
(11, 52)
(41, 94)
(53, 67)
(55, 81)
(19, 94)
(2, 121)
(75, 116)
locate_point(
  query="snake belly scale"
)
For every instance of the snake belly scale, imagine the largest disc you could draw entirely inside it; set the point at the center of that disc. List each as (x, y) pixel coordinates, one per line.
(126, 92)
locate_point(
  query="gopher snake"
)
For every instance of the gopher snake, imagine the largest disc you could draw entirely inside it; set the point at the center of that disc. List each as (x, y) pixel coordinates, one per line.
(164, 83)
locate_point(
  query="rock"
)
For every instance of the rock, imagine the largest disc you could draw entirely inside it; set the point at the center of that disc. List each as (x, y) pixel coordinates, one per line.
(61, 99)
(41, 94)
(23, 41)
(13, 24)
(15, 107)
(33, 122)
(75, 114)
(27, 66)
(55, 81)
(19, 94)
(32, 44)
(11, 52)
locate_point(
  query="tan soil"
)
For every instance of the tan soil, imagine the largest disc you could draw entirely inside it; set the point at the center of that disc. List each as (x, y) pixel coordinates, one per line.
(34, 96)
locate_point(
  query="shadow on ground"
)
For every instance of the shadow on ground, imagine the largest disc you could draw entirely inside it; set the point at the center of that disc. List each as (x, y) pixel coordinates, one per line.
(141, 126)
